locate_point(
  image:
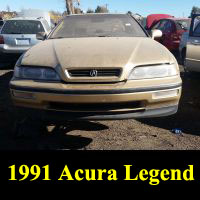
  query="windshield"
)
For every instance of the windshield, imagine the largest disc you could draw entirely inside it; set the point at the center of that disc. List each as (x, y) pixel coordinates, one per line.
(98, 26)
(22, 27)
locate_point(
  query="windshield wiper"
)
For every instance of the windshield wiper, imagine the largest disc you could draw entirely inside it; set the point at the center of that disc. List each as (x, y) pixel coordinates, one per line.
(56, 38)
(104, 35)
(81, 36)
(15, 33)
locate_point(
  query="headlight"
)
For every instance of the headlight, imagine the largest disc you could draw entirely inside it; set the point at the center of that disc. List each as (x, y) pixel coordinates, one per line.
(157, 71)
(35, 73)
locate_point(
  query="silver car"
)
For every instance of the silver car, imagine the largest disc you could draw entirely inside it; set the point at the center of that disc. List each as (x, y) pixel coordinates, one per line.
(19, 34)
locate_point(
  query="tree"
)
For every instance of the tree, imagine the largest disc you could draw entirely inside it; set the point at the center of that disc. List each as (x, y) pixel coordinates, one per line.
(90, 10)
(55, 16)
(77, 10)
(195, 10)
(70, 6)
(101, 9)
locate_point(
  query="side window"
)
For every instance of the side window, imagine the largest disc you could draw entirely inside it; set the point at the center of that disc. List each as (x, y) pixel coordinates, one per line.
(169, 26)
(197, 30)
(162, 25)
(46, 25)
(156, 26)
(183, 24)
(196, 27)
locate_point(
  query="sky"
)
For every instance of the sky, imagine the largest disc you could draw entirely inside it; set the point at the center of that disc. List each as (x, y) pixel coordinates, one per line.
(178, 8)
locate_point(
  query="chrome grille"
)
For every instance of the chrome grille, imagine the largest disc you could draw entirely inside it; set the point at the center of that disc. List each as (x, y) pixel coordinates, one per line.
(98, 73)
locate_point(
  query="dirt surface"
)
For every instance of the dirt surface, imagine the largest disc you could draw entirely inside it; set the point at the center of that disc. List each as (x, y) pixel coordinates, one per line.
(145, 134)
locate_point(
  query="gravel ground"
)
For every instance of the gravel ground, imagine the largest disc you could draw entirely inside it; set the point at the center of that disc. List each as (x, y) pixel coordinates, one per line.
(151, 134)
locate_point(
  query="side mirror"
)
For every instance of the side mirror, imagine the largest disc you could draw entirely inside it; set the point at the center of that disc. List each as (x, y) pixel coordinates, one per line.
(156, 33)
(41, 36)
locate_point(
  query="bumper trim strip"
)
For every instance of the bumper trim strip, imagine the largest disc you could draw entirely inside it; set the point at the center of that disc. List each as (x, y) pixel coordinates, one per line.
(49, 115)
(95, 92)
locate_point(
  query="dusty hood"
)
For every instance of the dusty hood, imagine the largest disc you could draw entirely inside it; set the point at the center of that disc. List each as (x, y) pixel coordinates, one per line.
(97, 52)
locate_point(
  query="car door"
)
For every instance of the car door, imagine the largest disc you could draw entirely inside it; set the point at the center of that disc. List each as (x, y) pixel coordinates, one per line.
(193, 45)
(167, 34)
(160, 26)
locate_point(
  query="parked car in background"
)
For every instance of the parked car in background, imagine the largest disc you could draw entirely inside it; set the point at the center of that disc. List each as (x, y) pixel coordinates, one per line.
(104, 67)
(19, 34)
(192, 61)
(172, 29)
(153, 18)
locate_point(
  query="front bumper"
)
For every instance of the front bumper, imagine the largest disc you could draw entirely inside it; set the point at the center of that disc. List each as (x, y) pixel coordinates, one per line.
(6, 49)
(60, 116)
(94, 104)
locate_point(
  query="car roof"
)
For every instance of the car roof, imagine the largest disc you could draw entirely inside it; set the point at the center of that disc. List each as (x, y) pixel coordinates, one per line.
(99, 14)
(154, 18)
(95, 14)
(175, 19)
(26, 18)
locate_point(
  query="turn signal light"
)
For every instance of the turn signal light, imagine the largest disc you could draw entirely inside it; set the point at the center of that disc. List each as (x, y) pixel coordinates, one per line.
(165, 94)
(23, 95)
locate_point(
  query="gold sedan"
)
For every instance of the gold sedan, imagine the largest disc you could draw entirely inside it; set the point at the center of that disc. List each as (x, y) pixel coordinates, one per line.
(97, 67)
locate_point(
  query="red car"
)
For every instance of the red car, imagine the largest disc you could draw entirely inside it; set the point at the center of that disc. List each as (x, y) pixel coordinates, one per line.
(153, 18)
(172, 29)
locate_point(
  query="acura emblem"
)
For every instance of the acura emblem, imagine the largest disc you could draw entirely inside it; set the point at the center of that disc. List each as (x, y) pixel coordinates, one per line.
(93, 73)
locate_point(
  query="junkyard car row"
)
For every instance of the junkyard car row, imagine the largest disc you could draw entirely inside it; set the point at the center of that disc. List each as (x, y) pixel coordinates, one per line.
(104, 67)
